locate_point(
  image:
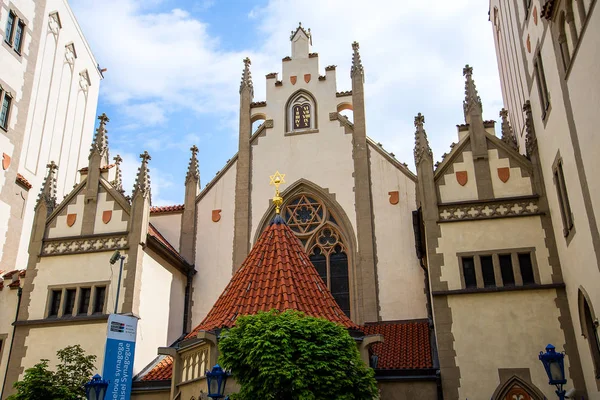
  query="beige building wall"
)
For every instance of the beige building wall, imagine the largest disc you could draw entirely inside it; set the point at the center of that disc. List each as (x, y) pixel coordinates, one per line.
(161, 309)
(566, 132)
(213, 242)
(169, 225)
(54, 84)
(397, 264)
(8, 307)
(506, 330)
(45, 341)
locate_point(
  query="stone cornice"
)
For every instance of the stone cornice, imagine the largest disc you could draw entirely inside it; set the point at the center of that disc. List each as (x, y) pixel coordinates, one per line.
(85, 244)
(524, 206)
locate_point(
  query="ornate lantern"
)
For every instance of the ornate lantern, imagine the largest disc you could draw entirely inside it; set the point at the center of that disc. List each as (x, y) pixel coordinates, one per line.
(216, 379)
(96, 388)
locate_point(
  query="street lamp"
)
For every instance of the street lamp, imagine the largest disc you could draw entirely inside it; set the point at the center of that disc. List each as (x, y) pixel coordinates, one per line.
(216, 379)
(554, 364)
(96, 388)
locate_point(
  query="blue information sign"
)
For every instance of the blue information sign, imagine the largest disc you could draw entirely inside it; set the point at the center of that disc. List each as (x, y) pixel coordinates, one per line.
(118, 356)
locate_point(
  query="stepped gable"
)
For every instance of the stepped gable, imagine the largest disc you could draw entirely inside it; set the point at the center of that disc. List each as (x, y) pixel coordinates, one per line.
(277, 274)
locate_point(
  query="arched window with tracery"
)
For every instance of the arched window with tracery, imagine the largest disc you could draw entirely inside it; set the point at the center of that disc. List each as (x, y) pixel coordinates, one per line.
(317, 228)
(589, 327)
(301, 113)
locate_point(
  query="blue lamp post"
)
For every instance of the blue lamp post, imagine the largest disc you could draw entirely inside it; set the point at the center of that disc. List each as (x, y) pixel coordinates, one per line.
(96, 388)
(554, 364)
(216, 379)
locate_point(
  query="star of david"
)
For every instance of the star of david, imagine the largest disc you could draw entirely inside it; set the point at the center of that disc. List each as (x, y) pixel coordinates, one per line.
(277, 179)
(304, 215)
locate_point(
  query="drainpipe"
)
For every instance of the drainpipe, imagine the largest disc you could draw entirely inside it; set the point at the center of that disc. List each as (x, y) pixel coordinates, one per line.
(12, 340)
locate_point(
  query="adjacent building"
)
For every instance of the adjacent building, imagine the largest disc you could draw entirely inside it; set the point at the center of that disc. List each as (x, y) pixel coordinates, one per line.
(49, 84)
(548, 61)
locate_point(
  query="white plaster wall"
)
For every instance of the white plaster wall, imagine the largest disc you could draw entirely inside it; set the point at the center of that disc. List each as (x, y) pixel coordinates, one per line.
(44, 342)
(73, 269)
(400, 278)
(71, 111)
(496, 330)
(161, 309)
(516, 185)
(214, 254)
(324, 158)
(8, 309)
(169, 225)
(451, 190)
(105, 202)
(62, 229)
(492, 235)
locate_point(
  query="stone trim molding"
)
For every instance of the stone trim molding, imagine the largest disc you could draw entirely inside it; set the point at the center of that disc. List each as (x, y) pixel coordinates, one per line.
(514, 207)
(496, 289)
(80, 319)
(90, 244)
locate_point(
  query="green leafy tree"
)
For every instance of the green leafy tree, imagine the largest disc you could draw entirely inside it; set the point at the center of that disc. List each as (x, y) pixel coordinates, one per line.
(289, 356)
(74, 369)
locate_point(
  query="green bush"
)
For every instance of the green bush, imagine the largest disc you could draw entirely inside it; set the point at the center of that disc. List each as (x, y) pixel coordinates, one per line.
(277, 356)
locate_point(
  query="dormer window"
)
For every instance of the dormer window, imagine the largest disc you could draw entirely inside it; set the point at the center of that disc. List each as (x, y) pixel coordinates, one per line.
(301, 113)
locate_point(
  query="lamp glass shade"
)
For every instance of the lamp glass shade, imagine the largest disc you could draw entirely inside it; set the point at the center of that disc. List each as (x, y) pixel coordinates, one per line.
(216, 379)
(556, 373)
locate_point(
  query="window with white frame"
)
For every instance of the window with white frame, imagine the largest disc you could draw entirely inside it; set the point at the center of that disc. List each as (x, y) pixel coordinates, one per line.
(5, 103)
(14, 31)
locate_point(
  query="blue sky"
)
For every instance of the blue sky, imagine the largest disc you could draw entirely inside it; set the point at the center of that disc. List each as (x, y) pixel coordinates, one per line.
(174, 69)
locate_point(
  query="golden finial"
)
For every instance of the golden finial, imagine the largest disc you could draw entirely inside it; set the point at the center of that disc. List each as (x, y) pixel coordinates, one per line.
(276, 180)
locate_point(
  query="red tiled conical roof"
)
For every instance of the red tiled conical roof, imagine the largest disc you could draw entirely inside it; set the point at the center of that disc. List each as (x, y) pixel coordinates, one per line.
(277, 274)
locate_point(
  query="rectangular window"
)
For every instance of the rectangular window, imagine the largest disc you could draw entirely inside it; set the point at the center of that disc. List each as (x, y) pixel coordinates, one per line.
(563, 198)
(10, 25)
(487, 271)
(5, 110)
(99, 299)
(506, 269)
(19, 37)
(526, 268)
(85, 295)
(468, 265)
(55, 298)
(69, 301)
(541, 85)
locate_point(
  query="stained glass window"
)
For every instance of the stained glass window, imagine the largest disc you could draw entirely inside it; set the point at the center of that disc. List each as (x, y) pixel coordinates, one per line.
(304, 214)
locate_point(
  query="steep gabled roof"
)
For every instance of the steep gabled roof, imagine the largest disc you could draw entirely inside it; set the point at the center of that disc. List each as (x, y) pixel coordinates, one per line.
(277, 274)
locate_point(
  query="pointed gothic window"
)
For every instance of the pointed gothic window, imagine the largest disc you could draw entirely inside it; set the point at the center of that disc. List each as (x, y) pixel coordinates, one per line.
(319, 233)
(301, 113)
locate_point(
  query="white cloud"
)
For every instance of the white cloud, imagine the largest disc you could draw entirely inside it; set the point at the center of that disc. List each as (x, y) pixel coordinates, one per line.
(413, 52)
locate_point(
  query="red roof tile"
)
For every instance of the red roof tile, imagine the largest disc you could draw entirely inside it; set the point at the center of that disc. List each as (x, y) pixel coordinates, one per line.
(166, 209)
(9, 274)
(21, 179)
(163, 370)
(406, 344)
(277, 274)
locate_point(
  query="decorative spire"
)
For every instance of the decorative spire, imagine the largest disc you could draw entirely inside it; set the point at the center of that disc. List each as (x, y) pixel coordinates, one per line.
(530, 136)
(357, 67)
(142, 182)
(118, 182)
(507, 132)
(100, 144)
(193, 172)
(300, 28)
(472, 100)
(421, 143)
(48, 191)
(276, 180)
(247, 77)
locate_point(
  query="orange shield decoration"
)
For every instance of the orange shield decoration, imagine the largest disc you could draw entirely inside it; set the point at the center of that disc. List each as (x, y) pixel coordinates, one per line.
(504, 174)
(216, 215)
(71, 218)
(293, 79)
(5, 161)
(306, 78)
(462, 177)
(394, 197)
(106, 216)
